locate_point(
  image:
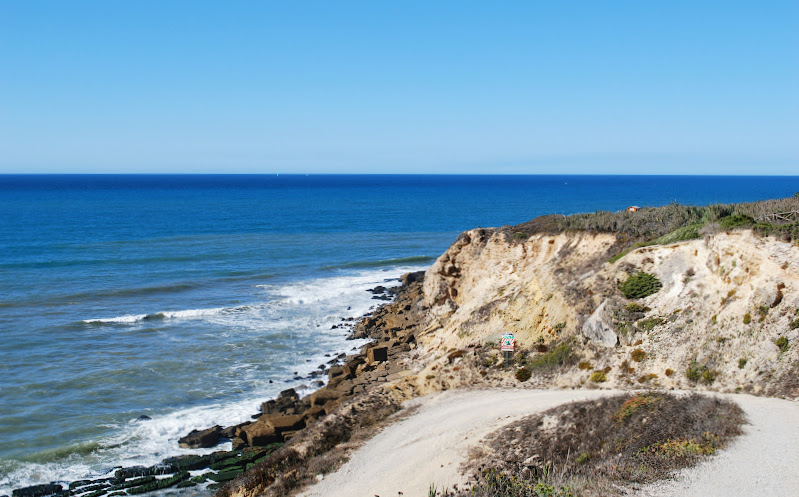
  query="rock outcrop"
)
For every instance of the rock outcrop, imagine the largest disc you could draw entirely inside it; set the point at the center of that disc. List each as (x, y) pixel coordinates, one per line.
(599, 328)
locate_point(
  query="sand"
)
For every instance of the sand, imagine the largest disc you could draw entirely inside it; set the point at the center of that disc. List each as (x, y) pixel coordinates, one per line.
(428, 447)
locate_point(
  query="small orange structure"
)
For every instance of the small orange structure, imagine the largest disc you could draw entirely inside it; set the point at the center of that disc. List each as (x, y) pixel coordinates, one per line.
(633, 208)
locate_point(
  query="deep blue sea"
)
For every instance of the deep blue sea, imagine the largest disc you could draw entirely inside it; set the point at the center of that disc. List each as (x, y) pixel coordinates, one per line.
(180, 297)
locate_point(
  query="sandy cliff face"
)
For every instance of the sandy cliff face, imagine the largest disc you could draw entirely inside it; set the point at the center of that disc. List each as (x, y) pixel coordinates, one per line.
(725, 300)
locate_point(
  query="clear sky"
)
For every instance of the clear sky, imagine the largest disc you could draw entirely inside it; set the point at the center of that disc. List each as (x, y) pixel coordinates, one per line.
(670, 87)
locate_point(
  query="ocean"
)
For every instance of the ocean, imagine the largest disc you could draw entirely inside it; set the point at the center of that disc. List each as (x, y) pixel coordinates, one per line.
(190, 299)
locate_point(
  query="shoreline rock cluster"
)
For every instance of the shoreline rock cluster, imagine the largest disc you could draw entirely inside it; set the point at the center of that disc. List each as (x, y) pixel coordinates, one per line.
(279, 419)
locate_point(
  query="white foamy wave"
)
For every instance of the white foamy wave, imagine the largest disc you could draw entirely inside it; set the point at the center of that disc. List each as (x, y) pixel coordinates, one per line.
(185, 314)
(126, 319)
(303, 316)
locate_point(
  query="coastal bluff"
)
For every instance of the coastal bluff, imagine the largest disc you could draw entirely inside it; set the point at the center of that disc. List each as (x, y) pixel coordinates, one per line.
(722, 315)
(619, 306)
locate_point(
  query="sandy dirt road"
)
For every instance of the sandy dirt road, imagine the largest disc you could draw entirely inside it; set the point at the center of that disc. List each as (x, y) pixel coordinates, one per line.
(428, 447)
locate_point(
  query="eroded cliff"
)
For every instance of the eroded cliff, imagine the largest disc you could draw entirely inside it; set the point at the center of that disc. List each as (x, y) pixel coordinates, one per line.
(726, 300)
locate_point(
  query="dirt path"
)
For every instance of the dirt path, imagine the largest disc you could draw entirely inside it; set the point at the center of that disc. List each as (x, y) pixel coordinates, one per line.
(427, 448)
(764, 461)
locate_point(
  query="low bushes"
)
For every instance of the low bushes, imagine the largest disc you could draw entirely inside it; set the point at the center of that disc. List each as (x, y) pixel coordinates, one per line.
(561, 355)
(633, 440)
(640, 285)
(638, 355)
(598, 377)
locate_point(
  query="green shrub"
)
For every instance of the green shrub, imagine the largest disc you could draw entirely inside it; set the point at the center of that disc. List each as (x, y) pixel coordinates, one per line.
(640, 285)
(697, 372)
(598, 377)
(636, 307)
(782, 343)
(523, 374)
(689, 232)
(558, 356)
(795, 324)
(649, 323)
(736, 221)
(709, 376)
(638, 355)
(747, 318)
(647, 377)
(585, 365)
(742, 363)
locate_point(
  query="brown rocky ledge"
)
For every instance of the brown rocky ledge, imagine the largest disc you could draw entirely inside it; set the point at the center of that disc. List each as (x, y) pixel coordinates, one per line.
(355, 397)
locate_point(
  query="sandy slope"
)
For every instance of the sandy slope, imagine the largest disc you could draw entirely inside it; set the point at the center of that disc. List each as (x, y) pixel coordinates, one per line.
(428, 447)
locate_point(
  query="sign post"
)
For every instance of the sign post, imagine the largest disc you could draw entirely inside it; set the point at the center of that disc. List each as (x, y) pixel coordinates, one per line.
(507, 345)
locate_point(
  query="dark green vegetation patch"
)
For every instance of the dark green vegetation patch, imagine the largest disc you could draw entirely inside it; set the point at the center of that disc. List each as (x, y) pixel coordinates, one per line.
(640, 285)
(602, 446)
(561, 355)
(523, 374)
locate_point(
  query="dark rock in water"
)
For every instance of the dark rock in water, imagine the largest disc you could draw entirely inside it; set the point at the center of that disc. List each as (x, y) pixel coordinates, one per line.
(185, 484)
(228, 432)
(201, 439)
(143, 417)
(349, 308)
(159, 484)
(327, 355)
(225, 475)
(138, 471)
(188, 462)
(79, 483)
(377, 289)
(270, 381)
(133, 483)
(317, 384)
(37, 490)
(287, 396)
(408, 278)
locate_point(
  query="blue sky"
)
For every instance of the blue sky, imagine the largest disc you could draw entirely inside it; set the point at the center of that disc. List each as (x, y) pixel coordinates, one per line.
(400, 86)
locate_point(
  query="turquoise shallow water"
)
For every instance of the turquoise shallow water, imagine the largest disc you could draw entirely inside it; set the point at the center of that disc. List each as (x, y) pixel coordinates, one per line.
(181, 297)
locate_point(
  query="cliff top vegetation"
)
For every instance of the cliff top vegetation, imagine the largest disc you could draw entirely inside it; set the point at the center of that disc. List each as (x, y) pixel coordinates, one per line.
(676, 222)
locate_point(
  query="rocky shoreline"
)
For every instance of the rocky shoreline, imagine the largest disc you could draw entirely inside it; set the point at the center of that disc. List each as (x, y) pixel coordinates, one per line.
(279, 420)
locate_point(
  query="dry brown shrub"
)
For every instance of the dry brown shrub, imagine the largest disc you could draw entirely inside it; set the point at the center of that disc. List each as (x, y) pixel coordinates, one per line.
(619, 440)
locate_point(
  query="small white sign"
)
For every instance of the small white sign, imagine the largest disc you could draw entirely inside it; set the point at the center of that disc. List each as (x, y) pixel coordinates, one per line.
(507, 343)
